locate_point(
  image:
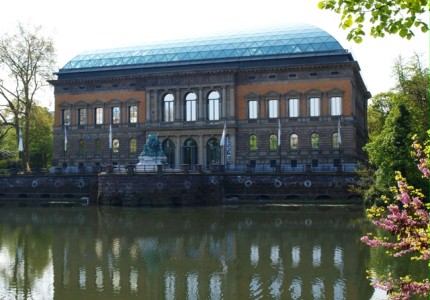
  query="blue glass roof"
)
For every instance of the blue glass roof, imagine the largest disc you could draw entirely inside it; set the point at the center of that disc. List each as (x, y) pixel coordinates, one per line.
(286, 41)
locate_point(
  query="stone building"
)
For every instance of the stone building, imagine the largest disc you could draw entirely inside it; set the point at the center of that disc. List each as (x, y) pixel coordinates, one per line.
(290, 96)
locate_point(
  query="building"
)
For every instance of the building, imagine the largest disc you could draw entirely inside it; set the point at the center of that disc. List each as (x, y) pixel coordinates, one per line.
(291, 96)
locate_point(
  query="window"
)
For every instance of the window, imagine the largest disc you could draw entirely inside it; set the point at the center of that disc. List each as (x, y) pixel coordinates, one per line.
(81, 147)
(190, 107)
(82, 115)
(168, 103)
(253, 109)
(115, 145)
(98, 113)
(293, 108)
(116, 115)
(273, 142)
(133, 145)
(253, 142)
(66, 116)
(132, 114)
(213, 106)
(314, 107)
(273, 107)
(335, 106)
(335, 140)
(315, 141)
(294, 141)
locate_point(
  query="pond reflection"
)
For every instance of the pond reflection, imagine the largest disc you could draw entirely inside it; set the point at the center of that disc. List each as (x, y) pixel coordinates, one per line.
(266, 252)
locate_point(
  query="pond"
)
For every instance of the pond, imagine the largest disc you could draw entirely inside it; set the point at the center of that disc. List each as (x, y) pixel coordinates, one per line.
(223, 252)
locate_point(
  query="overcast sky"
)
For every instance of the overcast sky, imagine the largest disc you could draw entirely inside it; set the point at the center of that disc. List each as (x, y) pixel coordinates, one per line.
(80, 25)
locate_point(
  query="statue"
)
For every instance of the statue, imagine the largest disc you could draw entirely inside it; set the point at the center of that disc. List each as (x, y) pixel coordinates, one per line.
(152, 154)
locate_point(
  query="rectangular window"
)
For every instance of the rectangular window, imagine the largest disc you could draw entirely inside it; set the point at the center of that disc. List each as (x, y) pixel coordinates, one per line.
(293, 108)
(253, 109)
(336, 106)
(82, 115)
(66, 116)
(168, 110)
(116, 115)
(314, 107)
(273, 108)
(132, 114)
(98, 113)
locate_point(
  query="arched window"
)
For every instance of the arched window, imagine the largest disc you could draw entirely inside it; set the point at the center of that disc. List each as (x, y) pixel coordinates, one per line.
(115, 145)
(294, 141)
(169, 151)
(168, 108)
(98, 146)
(273, 142)
(133, 145)
(191, 107)
(253, 142)
(315, 141)
(189, 151)
(335, 140)
(213, 106)
(81, 147)
(213, 152)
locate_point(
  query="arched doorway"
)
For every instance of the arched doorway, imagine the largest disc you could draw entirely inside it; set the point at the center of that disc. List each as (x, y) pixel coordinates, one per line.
(169, 152)
(189, 152)
(213, 152)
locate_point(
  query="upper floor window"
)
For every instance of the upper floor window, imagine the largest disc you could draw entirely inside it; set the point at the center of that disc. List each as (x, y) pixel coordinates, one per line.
(273, 106)
(253, 109)
(294, 141)
(82, 116)
(315, 141)
(132, 114)
(293, 108)
(116, 115)
(213, 106)
(98, 113)
(314, 107)
(273, 142)
(168, 108)
(191, 107)
(65, 116)
(335, 106)
(253, 142)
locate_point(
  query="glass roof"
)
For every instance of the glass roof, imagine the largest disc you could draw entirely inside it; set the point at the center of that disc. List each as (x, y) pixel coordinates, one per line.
(289, 40)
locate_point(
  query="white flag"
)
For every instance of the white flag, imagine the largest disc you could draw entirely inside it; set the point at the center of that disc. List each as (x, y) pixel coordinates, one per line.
(110, 136)
(221, 143)
(339, 138)
(20, 145)
(279, 133)
(65, 138)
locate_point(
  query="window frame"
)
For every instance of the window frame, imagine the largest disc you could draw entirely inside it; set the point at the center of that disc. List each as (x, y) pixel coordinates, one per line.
(116, 115)
(98, 117)
(273, 108)
(168, 108)
(335, 106)
(293, 110)
(252, 109)
(314, 106)
(214, 106)
(191, 107)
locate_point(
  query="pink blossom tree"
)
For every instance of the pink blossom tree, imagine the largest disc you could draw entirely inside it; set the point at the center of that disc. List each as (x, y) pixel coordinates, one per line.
(406, 219)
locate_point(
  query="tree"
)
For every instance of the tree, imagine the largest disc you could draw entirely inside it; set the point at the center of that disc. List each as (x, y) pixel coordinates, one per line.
(28, 59)
(406, 218)
(400, 17)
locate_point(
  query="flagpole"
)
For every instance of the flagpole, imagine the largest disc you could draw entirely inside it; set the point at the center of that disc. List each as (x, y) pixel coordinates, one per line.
(222, 143)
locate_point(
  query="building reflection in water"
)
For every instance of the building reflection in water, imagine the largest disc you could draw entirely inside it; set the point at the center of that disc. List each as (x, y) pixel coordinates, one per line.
(187, 253)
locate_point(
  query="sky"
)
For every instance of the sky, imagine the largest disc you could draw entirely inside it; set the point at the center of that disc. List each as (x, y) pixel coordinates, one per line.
(80, 25)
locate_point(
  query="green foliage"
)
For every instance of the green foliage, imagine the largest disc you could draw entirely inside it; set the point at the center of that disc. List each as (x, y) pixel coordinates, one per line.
(401, 17)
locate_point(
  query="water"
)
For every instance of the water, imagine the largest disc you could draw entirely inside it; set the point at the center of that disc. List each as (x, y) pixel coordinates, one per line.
(236, 252)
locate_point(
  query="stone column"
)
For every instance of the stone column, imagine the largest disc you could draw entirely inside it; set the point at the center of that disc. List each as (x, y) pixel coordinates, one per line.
(224, 103)
(178, 106)
(231, 101)
(202, 105)
(148, 105)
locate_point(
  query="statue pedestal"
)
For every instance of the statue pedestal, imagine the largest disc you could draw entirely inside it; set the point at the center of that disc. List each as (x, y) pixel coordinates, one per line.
(149, 163)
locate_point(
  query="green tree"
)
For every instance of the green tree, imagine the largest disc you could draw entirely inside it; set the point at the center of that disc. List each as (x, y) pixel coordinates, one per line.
(41, 137)
(402, 17)
(28, 59)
